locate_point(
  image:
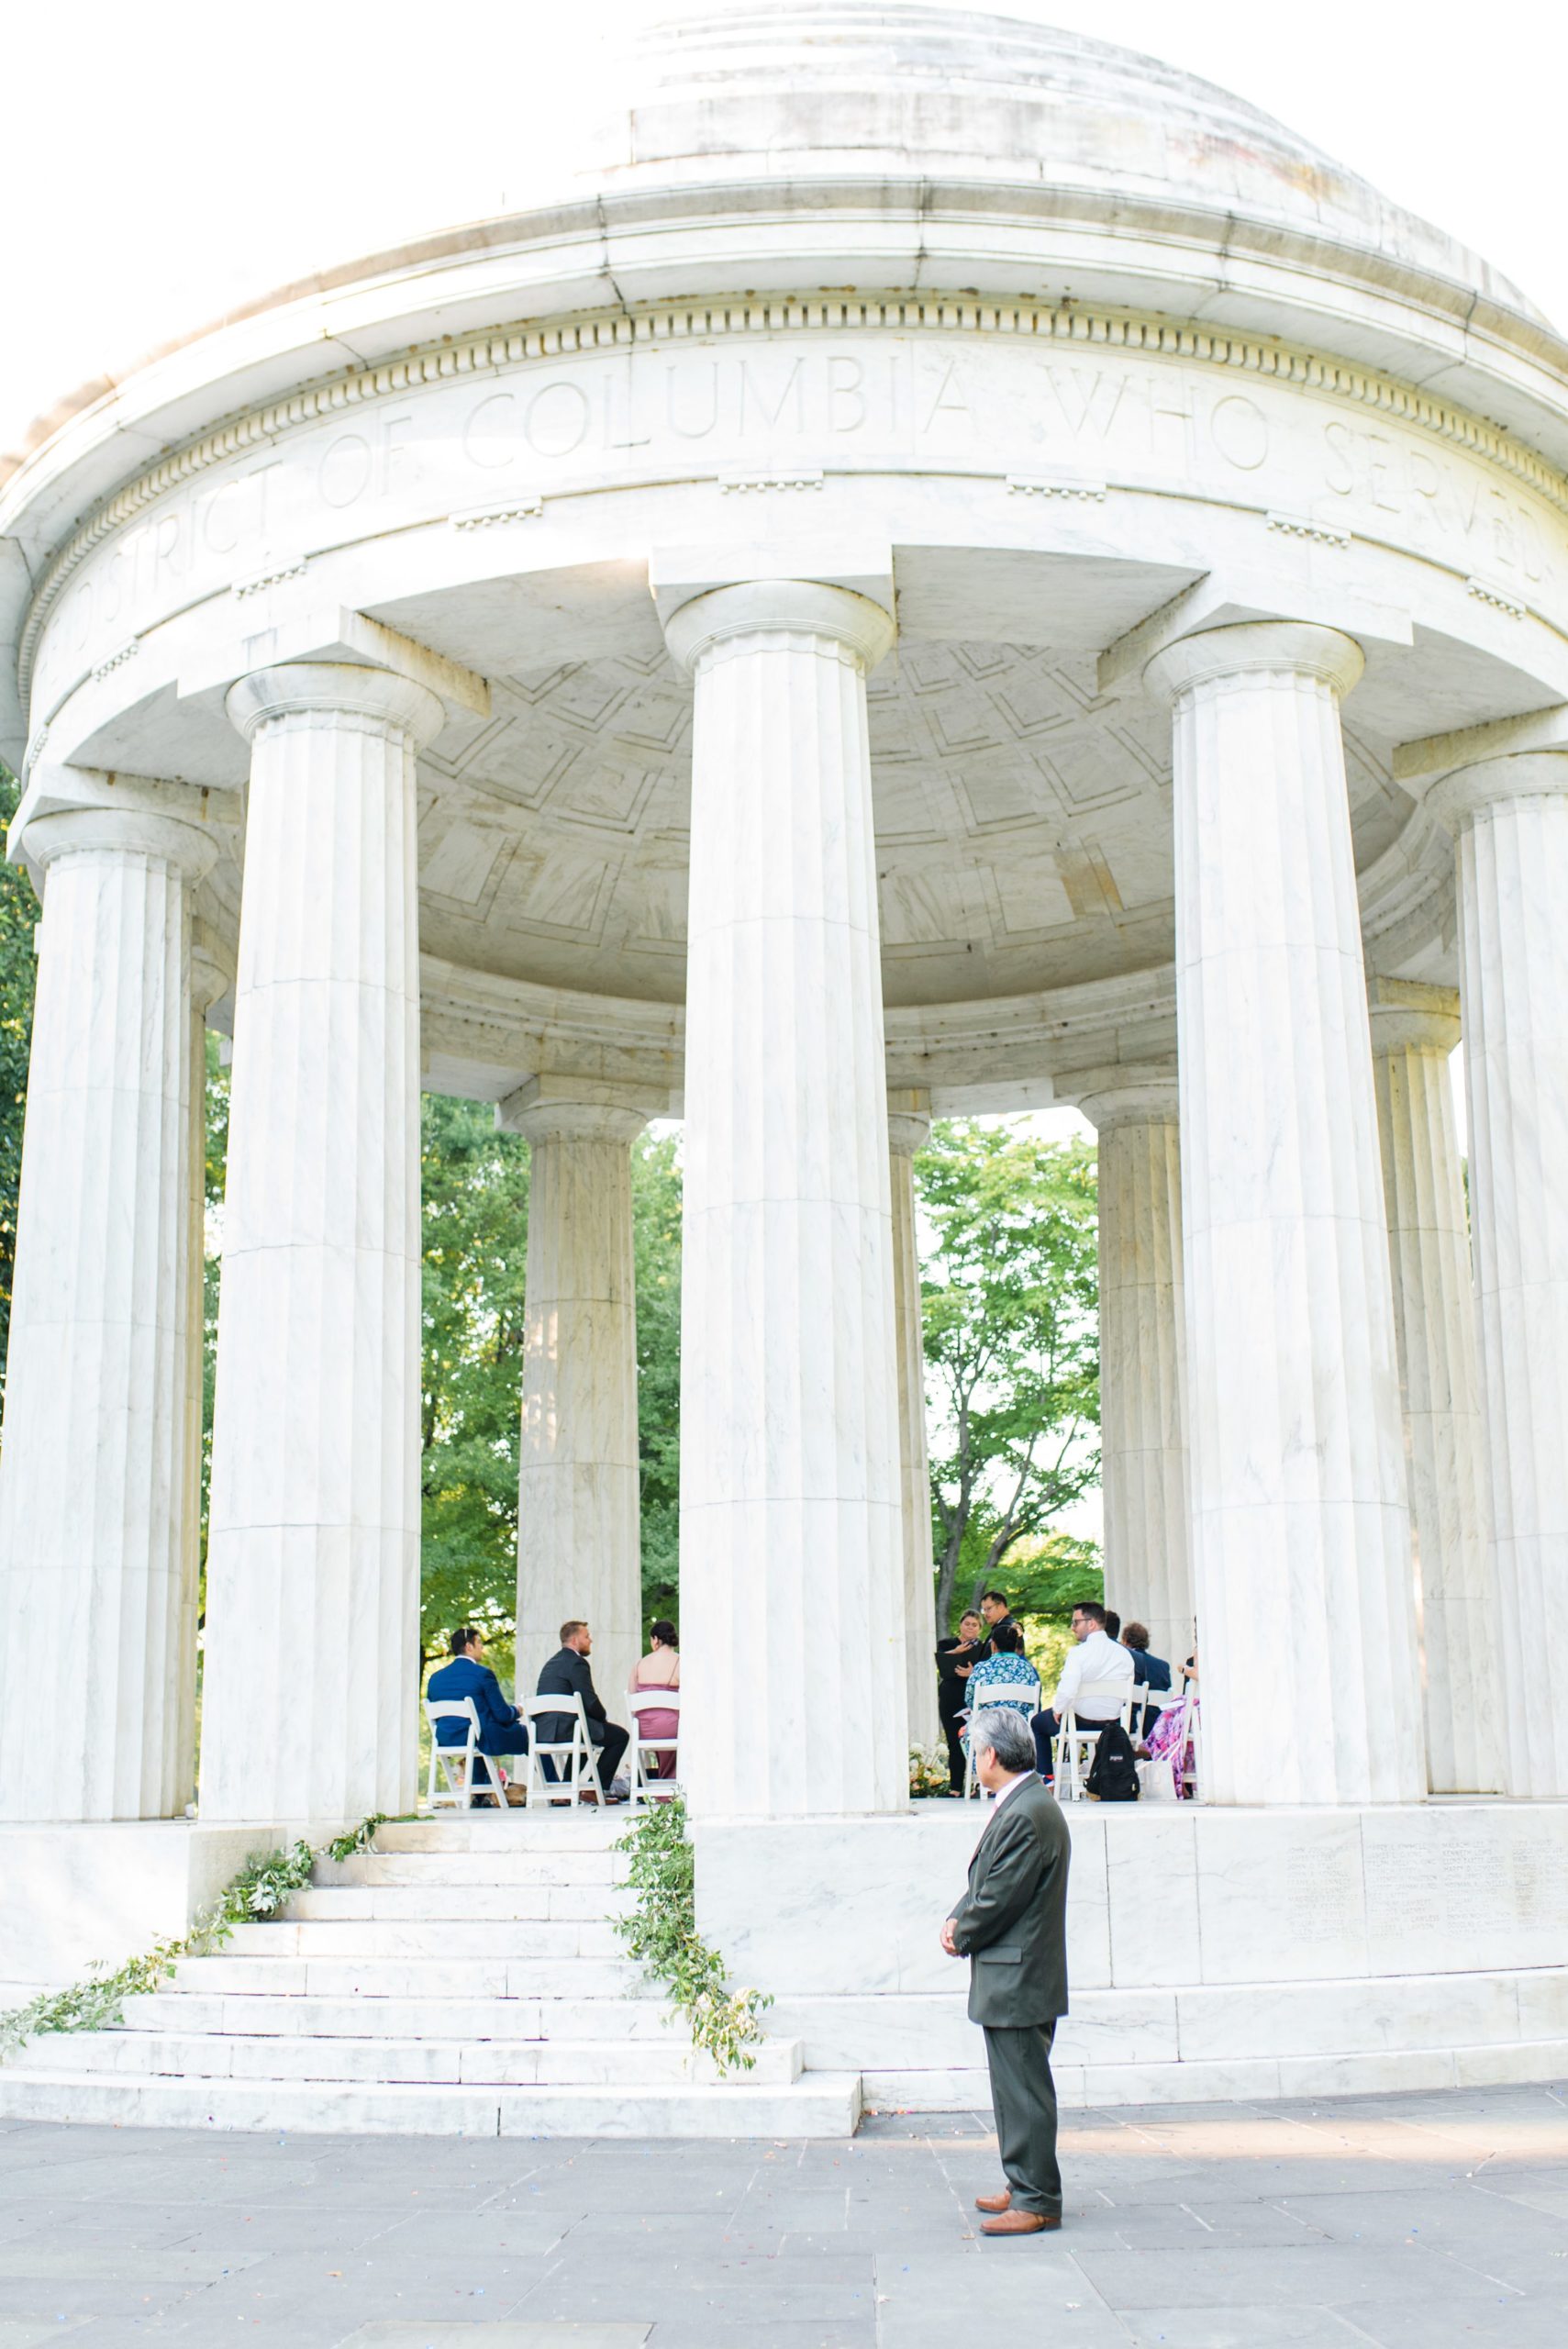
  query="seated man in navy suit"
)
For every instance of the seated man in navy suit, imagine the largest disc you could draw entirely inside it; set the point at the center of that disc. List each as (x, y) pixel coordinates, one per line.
(501, 1726)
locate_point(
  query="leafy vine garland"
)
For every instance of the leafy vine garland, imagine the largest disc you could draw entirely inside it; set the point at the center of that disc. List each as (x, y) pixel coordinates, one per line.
(661, 1932)
(260, 1889)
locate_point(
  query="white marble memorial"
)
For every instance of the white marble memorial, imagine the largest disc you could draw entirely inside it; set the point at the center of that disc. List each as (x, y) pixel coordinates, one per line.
(828, 621)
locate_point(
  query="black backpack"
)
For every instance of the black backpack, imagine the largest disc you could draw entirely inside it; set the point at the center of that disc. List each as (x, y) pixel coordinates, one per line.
(1113, 1774)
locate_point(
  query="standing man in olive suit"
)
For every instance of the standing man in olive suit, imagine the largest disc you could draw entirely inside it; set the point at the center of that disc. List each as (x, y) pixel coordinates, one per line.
(1012, 1925)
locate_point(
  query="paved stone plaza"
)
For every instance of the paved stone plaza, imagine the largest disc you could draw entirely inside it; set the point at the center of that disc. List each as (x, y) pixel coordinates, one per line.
(1405, 2221)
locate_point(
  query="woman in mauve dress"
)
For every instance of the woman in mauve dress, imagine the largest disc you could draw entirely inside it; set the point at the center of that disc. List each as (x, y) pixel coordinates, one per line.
(660, 1669)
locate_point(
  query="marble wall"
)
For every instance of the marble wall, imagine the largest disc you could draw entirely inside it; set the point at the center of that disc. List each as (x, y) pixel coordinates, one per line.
(88, 1895)
(1222, 1952)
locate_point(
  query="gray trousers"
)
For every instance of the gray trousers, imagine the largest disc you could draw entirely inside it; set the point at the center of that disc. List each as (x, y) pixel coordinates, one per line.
(1023, 2097)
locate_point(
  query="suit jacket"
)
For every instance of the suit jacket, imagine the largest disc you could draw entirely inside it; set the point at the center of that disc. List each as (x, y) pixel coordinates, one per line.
(1012, 1921)
(498, 1729)
(567, 1675)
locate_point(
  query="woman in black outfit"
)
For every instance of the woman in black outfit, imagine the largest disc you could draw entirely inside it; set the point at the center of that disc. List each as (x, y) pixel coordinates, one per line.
(956, 1658)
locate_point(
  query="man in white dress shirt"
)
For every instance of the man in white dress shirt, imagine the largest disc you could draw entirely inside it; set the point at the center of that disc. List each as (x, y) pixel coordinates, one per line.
(1096, 1657)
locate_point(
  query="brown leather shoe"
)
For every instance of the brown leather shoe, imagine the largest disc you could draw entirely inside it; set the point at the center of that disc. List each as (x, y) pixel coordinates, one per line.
(1003, 2202)
(1019, 2222)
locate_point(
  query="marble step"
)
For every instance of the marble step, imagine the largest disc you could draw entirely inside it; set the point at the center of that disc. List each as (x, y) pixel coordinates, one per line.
(255, 2014)
(560, 1937)
(491, 1869)
(413, 1978)
(818, 2104)
(623, 2063)
(456, 1904)
(558, 1829)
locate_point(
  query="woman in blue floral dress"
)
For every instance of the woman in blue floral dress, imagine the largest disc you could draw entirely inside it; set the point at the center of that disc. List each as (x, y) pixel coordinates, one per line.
(1005, 1676)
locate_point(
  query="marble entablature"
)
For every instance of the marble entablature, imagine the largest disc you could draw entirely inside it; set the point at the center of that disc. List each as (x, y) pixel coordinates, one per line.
(1041, 486)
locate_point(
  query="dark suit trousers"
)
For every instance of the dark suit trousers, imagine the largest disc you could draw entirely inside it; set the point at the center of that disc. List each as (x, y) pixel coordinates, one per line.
(1023, 2097)
(609, 1741)
(947, 1712)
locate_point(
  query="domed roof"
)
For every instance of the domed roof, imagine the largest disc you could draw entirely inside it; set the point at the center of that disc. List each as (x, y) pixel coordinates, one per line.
(900, 89)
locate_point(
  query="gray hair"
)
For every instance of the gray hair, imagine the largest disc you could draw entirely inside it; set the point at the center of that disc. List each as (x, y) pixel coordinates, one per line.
(1003, 1728)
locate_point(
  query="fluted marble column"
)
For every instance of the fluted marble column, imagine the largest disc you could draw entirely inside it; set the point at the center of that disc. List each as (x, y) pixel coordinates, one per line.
(908, 1123)
(791, 1518)
(95, 1503)
(579, 1520)
(1144, 1444)
(1511, 816)
(1414, 1031)
(1300, 1525)
(212, 974)
(314, 1521)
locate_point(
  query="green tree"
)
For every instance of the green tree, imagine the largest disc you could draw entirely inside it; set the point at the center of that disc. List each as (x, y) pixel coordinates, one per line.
(475, 1182)
(1010, 1302)
(656, 1209)
(1045, 1576)
(475, 1251)
(212, 1258)
(18, 914)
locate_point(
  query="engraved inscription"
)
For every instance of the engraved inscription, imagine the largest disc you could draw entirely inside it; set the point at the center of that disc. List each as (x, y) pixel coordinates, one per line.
(1322, 1899)
(1055, 422)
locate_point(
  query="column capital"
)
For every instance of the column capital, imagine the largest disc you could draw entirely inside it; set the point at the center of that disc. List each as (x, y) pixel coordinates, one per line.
(212, 965)
(1408, 1017)
(1524, 774)
(71, 809)
(908, 1119)
(190, 849)
(556, 1107)
(1124, 1094)
(1251, 647)
(797, 606)
(335, 689)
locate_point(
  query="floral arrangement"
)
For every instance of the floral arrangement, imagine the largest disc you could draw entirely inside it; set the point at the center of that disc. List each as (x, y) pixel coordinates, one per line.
(931, 1773)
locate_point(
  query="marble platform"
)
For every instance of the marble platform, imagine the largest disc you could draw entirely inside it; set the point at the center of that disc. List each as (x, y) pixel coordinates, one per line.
(1212, 1954)
(461, 1978)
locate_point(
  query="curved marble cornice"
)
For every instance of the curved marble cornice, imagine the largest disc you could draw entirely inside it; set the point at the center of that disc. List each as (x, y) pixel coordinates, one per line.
(495, 350)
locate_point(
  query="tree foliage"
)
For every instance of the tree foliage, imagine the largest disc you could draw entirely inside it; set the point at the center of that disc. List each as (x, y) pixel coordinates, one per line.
(476, 1248)
(475, 1184)
(1010, 1301)
(656, 1210)
(18, 915)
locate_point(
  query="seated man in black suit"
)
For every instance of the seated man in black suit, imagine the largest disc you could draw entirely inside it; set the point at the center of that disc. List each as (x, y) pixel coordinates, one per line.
(1149, 1671)
(567, 1675)
(501, 1730)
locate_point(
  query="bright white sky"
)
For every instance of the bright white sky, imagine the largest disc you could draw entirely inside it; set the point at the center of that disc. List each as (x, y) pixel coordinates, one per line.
(167, 159)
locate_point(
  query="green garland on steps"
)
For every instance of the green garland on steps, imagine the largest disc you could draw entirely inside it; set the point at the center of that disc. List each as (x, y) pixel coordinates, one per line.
(661, 1932)
(262, 1888)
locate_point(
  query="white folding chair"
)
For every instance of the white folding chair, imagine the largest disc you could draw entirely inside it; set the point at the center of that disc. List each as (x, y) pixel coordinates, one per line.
(644, 1782)
(451, 1783)
(1192, 1772)
(1075, 1739)
(1024, 1697)
(571, 1757)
